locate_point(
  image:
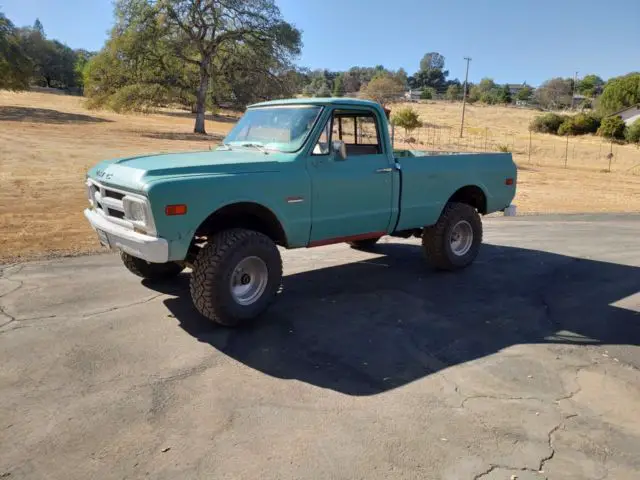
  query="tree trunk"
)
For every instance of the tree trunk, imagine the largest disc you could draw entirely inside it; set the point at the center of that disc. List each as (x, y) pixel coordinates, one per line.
(201, 98)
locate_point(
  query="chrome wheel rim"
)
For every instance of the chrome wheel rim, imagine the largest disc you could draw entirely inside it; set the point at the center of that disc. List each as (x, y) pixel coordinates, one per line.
(249, 280)
(461, 238)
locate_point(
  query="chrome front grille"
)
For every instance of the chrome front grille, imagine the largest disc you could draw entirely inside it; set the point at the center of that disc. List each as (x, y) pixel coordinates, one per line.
(108, 202)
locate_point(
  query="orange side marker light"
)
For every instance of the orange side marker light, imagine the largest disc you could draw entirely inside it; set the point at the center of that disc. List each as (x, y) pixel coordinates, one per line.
(171, 210)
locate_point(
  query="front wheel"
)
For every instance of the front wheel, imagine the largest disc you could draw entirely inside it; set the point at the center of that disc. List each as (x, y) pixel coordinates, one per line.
(149, 270)
(236, 276)
(454, 241)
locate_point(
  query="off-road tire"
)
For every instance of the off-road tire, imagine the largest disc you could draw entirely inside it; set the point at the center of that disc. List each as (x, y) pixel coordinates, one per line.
(212, 270)
(367, 244)
(436, 241)
(149, 270)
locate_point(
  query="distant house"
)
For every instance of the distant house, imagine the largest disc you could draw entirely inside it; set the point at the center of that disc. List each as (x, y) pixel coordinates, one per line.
(514, 88)
(413, 95)
(580, 101)
(629, 114)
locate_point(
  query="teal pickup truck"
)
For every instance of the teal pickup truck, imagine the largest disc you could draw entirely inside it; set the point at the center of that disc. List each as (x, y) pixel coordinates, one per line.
(292, 173)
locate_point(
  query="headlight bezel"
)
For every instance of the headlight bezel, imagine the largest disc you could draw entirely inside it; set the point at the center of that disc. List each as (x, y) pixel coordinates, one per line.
(142, 206)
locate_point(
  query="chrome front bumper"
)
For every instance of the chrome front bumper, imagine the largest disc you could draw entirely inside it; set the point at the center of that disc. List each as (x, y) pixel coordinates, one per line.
(151, 249)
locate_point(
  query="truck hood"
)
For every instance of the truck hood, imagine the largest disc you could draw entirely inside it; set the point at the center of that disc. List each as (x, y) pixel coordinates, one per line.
(134, 173)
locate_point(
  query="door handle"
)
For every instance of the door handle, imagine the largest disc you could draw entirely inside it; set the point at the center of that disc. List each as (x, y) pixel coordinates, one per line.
(384, 170)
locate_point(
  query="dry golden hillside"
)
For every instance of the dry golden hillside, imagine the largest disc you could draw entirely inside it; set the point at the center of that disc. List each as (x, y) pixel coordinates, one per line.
(48, 141)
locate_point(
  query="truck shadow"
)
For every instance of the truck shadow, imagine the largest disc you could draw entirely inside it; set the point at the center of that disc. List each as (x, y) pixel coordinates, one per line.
(367, 327)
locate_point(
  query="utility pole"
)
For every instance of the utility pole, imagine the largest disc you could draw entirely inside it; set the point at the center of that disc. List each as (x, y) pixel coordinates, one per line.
(464, 95)
(575, 84)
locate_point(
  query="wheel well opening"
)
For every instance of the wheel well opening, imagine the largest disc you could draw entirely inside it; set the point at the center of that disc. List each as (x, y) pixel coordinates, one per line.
(244, 215)
(471, 195)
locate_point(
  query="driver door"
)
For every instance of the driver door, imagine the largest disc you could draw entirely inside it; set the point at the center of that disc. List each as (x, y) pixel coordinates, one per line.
(352, 197)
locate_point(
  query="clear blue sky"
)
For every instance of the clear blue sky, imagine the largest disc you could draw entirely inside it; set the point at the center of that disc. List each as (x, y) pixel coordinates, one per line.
(511, 41)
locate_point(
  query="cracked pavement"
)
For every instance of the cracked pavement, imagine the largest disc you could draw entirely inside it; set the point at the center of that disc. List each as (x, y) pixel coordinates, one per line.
(368, 366)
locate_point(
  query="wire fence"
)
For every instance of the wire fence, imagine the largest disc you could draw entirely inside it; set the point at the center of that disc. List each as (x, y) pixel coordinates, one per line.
(585, 152)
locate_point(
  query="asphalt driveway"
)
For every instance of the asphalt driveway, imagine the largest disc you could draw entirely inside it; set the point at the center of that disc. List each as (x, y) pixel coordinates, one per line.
(369, 366)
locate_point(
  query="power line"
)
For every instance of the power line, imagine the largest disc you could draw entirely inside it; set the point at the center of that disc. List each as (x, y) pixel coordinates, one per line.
(464, 95)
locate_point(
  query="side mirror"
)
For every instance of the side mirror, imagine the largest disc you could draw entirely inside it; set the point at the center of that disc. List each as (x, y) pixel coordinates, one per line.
(338, 150)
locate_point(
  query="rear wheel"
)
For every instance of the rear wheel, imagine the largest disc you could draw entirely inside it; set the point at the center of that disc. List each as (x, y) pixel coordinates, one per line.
(367, 244)
(454, 241)
(236, 276)
(149, 270)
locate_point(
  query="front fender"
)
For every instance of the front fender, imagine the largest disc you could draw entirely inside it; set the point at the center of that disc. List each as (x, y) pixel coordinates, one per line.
(205, 195)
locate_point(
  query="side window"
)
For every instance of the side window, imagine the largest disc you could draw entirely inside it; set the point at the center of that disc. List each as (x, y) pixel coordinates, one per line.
(359, 132)
(347, 131)
(322, 147)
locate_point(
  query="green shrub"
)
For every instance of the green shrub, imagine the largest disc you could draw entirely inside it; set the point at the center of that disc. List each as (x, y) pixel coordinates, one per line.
(427, 93)
(632, 134)
(503, 148)
(490, 98)
(406, 118)
(453, 92)
(547, 123)
(612, 127)
(580, 124)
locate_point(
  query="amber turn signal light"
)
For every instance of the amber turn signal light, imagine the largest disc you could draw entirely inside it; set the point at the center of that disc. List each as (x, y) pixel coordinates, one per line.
(171, 210)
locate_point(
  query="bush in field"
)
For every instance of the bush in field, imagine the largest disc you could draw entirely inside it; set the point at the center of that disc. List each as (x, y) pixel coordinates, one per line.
(525, 94)
(490, 98)
(612, 127)
(580, 124)
(406, 118)
(427, 93)
(632, 134)
(454, 92)
(547, 123)
(504, 95)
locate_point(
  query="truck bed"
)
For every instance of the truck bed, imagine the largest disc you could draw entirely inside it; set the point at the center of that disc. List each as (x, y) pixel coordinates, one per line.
(400, 153)
(429, 179)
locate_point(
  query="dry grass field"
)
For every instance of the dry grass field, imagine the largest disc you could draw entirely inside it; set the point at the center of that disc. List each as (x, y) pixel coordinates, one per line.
(48, 141)
(488, 127)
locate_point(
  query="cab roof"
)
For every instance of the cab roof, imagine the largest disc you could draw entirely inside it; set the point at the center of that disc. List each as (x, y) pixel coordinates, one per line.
(318, 101)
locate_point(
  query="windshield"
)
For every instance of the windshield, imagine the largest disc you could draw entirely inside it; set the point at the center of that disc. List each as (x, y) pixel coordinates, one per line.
(274, 128)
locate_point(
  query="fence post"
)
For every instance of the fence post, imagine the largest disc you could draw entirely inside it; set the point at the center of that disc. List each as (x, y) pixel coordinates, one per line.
(610, 155)
(486, 134)
(529, 146)
(566, 153)
(600, 149)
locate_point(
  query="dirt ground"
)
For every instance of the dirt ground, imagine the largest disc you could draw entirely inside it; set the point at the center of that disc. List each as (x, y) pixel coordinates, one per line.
(48, 141)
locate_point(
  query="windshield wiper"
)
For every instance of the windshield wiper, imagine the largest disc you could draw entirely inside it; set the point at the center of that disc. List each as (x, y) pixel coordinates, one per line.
(257, 146)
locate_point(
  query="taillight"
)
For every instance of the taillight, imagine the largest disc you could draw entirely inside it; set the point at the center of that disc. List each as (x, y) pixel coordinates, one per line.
(508, 181)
